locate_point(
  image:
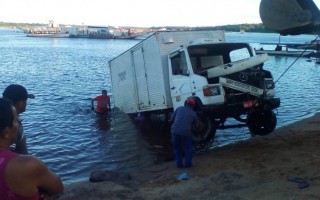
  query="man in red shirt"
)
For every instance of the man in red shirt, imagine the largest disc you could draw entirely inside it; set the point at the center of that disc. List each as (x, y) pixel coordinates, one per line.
(103, 103)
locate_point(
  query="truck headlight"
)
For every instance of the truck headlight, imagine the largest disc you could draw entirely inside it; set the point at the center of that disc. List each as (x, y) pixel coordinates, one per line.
(211, 90)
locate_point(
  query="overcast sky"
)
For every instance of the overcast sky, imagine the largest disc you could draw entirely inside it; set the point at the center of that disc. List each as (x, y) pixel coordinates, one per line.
(141, 13)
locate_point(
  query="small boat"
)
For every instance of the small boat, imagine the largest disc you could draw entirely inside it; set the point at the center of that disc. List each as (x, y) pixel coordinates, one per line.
(51, 31)
(314, 44)
(288, 53)
(49, 35)
(289, 49)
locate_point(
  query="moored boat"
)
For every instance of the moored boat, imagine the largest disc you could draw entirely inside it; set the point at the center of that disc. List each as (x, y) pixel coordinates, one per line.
(48, 35)
(51, 31)
(287, 53)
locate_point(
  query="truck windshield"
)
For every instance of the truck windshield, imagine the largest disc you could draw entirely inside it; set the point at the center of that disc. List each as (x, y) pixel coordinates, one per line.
(204, 57)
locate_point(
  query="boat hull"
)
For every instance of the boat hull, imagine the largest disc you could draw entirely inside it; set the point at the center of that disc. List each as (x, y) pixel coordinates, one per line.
(287, 53)
(59, 35)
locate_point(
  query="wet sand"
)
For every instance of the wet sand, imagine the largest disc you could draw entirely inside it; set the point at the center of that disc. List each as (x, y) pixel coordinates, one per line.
(282, 165)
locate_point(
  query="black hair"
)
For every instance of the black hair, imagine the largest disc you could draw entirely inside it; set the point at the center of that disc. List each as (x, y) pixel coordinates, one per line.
(104, 91)
(6, 114)
(15, 93)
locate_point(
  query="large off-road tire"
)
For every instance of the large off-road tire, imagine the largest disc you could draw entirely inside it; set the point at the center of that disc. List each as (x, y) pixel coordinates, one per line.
(204, 131)
(261, 122)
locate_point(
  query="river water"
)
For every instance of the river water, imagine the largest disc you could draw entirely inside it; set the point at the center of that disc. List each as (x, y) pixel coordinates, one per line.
(65, 73)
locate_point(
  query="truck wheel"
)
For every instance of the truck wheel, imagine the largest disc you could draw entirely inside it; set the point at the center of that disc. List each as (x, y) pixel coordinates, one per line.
(204, 131)
(261, 122)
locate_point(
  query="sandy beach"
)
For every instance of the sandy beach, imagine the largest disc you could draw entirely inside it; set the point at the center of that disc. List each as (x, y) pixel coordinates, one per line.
(282, 165)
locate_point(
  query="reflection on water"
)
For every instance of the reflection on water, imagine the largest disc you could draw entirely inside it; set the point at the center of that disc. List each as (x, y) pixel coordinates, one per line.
(65, 73)
(103, 122)
(157, 134)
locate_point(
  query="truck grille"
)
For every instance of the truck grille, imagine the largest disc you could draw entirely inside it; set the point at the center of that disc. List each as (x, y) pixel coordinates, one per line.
(241, 86)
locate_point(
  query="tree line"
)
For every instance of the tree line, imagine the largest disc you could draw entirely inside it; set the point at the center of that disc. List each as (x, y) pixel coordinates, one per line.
(11, 24)
(228, 28)
(239, 27)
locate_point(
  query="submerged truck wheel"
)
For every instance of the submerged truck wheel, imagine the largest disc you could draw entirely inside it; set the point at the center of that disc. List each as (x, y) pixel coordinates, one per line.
(261, 122)
(204, 131)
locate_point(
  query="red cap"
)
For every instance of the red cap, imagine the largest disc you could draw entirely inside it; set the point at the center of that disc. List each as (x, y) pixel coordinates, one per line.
(190, 101)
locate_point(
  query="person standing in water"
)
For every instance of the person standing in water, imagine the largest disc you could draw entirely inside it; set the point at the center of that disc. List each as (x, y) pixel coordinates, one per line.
(103, 103)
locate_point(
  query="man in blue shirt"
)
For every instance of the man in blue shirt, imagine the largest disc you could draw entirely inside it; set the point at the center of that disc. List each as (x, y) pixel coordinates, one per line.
(181, 130)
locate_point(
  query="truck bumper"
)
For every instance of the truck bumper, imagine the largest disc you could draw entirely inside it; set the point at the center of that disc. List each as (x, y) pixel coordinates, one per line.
(231, 110)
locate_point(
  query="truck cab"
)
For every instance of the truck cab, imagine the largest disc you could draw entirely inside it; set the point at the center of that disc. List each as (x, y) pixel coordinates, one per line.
(226, 80)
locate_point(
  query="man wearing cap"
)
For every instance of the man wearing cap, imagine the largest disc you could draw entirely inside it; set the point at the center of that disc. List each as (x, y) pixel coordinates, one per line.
(181, 130)
(19, 95)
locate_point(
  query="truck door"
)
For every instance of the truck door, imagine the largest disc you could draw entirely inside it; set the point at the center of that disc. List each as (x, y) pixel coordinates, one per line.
(180, 83)
(141, 79)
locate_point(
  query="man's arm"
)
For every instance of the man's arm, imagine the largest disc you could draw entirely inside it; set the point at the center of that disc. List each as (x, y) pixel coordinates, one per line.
(172, 117)
(92, 104)
(47, 181)
(21, 146)
(109, 104)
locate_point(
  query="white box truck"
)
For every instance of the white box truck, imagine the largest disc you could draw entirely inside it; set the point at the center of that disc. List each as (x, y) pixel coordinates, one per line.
(227, 80)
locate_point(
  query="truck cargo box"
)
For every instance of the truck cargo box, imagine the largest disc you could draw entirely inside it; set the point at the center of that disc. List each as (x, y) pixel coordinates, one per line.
(140, 76)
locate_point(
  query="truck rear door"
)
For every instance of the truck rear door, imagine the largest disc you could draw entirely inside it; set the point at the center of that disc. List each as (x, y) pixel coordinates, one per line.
(141, 79)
